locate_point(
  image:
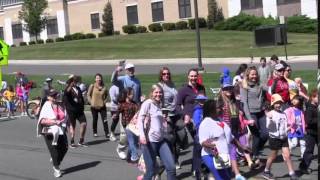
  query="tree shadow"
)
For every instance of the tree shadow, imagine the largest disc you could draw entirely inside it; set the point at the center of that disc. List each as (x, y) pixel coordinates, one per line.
(95, 142)
(255, 172)
(184, 175)
(81, 167)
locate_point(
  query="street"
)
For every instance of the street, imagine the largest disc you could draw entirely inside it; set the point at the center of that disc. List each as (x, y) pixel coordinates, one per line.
(23, 156)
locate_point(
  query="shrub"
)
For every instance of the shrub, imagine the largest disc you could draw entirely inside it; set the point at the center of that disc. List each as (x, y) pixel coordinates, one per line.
(169, 26)
(155, 27)
(116, 33)
(40, 41)
(101, 34)
(32, 42)
(49, 41)
(59, 39)
(181, 25)
(77, 36)
(141, 29)
(13, 45)
(302, 24)
(23, 43)
(129, 29)
(68, 37)
(90, 36)
(202, 23)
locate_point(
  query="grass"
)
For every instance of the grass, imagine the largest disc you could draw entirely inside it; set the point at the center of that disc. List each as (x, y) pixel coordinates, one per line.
(209, 79)
(174, 44)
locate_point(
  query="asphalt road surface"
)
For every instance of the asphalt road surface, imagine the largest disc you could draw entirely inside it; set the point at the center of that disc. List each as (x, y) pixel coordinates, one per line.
(23, 156)
(140, 69)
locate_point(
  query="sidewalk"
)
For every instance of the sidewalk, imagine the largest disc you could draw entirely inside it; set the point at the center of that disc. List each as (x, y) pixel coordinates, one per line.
(309, 58)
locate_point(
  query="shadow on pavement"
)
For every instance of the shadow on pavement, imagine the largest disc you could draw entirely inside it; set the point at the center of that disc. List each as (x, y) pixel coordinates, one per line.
(255, 172)
(95, 142)
(81, 167)
(184, 175)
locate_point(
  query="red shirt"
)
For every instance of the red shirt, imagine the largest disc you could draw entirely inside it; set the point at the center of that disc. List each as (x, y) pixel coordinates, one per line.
(281, 88)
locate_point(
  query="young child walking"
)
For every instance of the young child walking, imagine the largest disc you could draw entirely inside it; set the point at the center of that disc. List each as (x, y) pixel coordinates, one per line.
(9, 96)
(277, 124)
(297, 124)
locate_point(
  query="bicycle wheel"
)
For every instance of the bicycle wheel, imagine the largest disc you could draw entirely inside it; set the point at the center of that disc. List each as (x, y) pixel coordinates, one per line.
(32, 109)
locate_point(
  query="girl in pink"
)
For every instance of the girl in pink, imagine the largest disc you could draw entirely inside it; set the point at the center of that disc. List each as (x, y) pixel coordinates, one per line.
(296, 123)
(22, 92)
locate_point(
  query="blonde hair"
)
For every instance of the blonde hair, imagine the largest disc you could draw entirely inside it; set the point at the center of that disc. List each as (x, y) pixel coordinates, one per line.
(153, 88)
(246, 76)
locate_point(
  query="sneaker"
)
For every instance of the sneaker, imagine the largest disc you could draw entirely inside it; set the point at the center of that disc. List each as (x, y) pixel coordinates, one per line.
(267, 175)
(240, 177)
(304, 171)
(254, 166)
(178, 166)
(95, 135)
(72, 145)
(82, 144)
(56, 172)
(134, 158)
(121, 154)
(112, 137)
(294, 177)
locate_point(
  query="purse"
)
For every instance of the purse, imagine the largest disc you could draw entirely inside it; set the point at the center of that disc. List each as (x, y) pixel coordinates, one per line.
(222, 160)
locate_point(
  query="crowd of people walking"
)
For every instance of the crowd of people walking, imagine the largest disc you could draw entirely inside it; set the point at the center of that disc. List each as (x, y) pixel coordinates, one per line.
(258, 105)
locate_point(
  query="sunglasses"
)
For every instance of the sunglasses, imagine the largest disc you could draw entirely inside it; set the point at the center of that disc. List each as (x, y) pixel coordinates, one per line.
(163, 74)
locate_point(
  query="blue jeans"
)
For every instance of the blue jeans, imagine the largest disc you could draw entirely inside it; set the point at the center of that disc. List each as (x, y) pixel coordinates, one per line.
(221, 174)
(150, 152)
(133, 144)
(10, 106)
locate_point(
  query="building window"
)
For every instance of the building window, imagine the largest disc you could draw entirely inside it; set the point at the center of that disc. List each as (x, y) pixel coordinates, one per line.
(279, 2)
(17, 31)
(95, 21)
(157, 11)
(1, 33)
(184, 8)
(251, 4)
(52, 26)
(132, 15)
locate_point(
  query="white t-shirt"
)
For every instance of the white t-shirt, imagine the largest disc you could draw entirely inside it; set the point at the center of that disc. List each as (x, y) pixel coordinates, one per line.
(222, 137)
(236, 79)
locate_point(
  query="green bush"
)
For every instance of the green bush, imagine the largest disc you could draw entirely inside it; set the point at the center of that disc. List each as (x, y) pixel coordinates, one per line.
(202, 23)
(22, 43)
(13, 45)
(49, 41)
(68, 37)
(32, 42)
(155, 27)
(40, 41)
(59, 39)
(78, 36)
(101, 34)
(169, 26)
(181, 25)
(90, 36)
(116, 33)
(141, 29)
(129, 29)
(302, 24)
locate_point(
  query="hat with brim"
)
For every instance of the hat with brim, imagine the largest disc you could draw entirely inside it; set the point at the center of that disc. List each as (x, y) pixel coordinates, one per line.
(279, 67)
(227, 86)
(49, 79)
(128, 66)
(275, 98)
(201, 97)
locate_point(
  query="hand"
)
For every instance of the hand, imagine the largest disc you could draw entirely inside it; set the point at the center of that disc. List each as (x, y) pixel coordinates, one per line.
(251, 122)
(119, 68)
(187, 119)
(142, 140)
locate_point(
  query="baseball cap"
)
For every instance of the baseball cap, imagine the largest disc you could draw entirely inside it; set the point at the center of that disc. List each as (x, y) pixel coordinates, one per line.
(48, 79)
(201, 97)
(128, 66)
(279, 67)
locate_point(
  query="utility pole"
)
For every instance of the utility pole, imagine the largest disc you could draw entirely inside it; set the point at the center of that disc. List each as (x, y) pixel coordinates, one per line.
(196, 19)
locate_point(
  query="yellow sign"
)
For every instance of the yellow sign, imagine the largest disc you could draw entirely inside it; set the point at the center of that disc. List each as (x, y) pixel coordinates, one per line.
(4, 53)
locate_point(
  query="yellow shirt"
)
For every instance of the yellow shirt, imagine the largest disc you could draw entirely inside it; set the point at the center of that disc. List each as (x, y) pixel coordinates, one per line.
(9, 95)
(293, 88)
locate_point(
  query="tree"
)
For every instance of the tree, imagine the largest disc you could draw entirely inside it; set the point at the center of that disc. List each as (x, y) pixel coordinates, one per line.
(107, 25)
(32, 13)
(215, 13)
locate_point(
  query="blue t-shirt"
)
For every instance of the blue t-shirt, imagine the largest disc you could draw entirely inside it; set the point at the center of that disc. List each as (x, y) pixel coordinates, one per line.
(298, 122)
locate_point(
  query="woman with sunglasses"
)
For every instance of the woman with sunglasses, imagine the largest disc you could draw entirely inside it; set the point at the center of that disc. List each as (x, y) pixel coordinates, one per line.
(97, 97)
(252, 98)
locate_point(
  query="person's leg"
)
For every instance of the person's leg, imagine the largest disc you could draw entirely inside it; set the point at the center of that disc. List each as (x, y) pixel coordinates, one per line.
(255, 140)
(94, 113)
(196, 158)
(302, 143)
(62, 147)
(132, 145)
(149, 156)
(115, 120)
(72, 127)
(308, 153)
(53, 150)
(272, 156)
(83, 126)
(103, 113)
(287, 158)
(167, 159)
(208, 161)
(263, 131)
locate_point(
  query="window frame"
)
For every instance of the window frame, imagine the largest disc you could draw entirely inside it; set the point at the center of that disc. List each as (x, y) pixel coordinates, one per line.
(157, 11)
(246, 4)
(95, 21)
(15, 36)
(184, 9)
(135, 19)
(56, 29)
(284, 2)
(1, 33)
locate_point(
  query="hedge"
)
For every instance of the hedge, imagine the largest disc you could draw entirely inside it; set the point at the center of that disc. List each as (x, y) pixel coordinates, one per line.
(90, 36)
(32, 42)
(141, 29)
(181, 25)
(302, 24)
(116, 33)
(155, 27)
(49, 41)
(40, 41)
(169, 26)
(77, 36)
(129, 29)
(101, 34)
(202, 23)
(22, 43)
(59, 39)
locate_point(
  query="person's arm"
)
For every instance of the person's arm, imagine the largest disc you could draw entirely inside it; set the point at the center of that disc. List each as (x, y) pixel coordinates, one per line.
(115, 73)
(105, 96)
(244, 100)
(89, 94)
(310, 120)
(141, 117)
(180, 100)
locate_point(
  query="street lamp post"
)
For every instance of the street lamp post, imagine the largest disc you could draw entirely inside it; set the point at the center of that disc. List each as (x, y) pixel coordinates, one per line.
(200, 67)
(283, 33)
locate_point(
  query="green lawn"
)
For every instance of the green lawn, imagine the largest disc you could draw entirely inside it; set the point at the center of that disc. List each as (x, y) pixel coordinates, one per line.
(174, 44)
(210, 80)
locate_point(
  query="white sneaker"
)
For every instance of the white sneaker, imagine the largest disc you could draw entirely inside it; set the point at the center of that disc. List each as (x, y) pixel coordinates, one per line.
(95, 135)
(112, 137)
(121, 154)
(57, 172)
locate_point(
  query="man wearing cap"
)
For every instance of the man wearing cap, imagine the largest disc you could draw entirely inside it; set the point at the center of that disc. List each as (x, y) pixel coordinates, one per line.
(128, 80)
(278, 84)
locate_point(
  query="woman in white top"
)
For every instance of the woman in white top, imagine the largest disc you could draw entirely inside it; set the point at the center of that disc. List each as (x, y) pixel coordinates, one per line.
(215, 138)
(152, 127)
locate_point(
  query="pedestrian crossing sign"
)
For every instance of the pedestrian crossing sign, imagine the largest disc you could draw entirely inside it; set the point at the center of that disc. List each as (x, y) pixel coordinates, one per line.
(4, 53)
